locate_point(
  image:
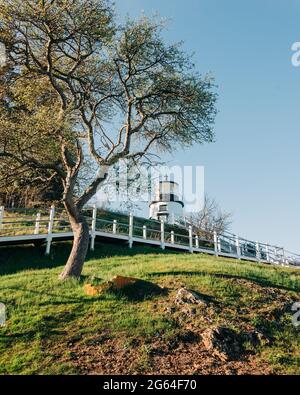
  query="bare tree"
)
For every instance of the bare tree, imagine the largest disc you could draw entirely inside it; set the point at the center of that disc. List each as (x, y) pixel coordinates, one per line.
(210, 219)
(117, 93)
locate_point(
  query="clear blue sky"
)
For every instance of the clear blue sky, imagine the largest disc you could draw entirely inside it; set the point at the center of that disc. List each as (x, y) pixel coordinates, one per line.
(253, 168)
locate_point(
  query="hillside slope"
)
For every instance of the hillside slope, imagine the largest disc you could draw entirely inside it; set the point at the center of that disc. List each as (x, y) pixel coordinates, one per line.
(56, 328)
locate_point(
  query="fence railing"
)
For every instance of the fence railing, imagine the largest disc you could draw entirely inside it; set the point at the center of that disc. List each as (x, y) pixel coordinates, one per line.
(25, 224)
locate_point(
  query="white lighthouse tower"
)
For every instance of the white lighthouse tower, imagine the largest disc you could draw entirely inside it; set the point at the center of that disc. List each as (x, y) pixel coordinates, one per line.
(167, 204)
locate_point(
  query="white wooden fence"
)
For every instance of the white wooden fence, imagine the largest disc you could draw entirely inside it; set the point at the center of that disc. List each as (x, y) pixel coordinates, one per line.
(53, 225)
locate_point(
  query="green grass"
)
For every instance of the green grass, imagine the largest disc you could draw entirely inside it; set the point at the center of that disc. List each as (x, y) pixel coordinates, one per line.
(47, 317)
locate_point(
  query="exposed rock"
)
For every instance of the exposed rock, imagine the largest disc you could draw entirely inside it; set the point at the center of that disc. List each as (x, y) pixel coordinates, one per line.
(96, 290)
(186, 296)
(119, 282)
(256, 338)
(189, 311)
(130, 286)
(223, 342)
(186, 302)
(91, 290)
(171, 310)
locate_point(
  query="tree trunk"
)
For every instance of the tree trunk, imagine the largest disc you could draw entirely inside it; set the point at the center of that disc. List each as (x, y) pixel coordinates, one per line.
(78, 254)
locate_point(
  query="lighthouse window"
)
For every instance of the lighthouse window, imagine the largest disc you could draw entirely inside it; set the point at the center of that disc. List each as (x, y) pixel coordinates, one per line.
(163, 207)
(169, 197)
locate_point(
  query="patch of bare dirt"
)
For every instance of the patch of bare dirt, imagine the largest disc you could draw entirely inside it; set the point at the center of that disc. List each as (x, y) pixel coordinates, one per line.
(202, 346)
(188, 356)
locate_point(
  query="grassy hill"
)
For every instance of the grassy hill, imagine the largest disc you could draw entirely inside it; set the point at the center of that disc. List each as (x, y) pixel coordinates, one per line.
(55, 328)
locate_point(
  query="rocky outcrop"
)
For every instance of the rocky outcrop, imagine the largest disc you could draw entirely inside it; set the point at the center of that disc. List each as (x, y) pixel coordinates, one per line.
(185, 296)
(256, 338)
(223, 342)
(129, 286)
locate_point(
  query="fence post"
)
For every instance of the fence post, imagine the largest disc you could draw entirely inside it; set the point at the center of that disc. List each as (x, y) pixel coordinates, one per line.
(37, 224)
(257, 252)
(1, 216)
(50, 229)
(191, 239)
(197, 241)
(276, 255)
(93, 230)
(172, 218)
(162, 234)
(216, 247)
(114, 226)
(238, 247)
(283, 256)
(268, 253)
(130, 230)
(144, 232)
(172, 237)
(219, 244)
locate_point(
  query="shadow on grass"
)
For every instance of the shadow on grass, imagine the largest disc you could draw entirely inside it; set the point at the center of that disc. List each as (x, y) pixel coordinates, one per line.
(43, 329)
(141, 290)
(19, 258)
(66, 299)
(15, 259)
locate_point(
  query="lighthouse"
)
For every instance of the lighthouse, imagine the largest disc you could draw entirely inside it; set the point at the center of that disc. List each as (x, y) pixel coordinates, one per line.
(167, 204)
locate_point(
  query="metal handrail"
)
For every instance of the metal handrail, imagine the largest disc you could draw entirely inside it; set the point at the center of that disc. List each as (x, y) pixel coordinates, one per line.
(223, 243)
